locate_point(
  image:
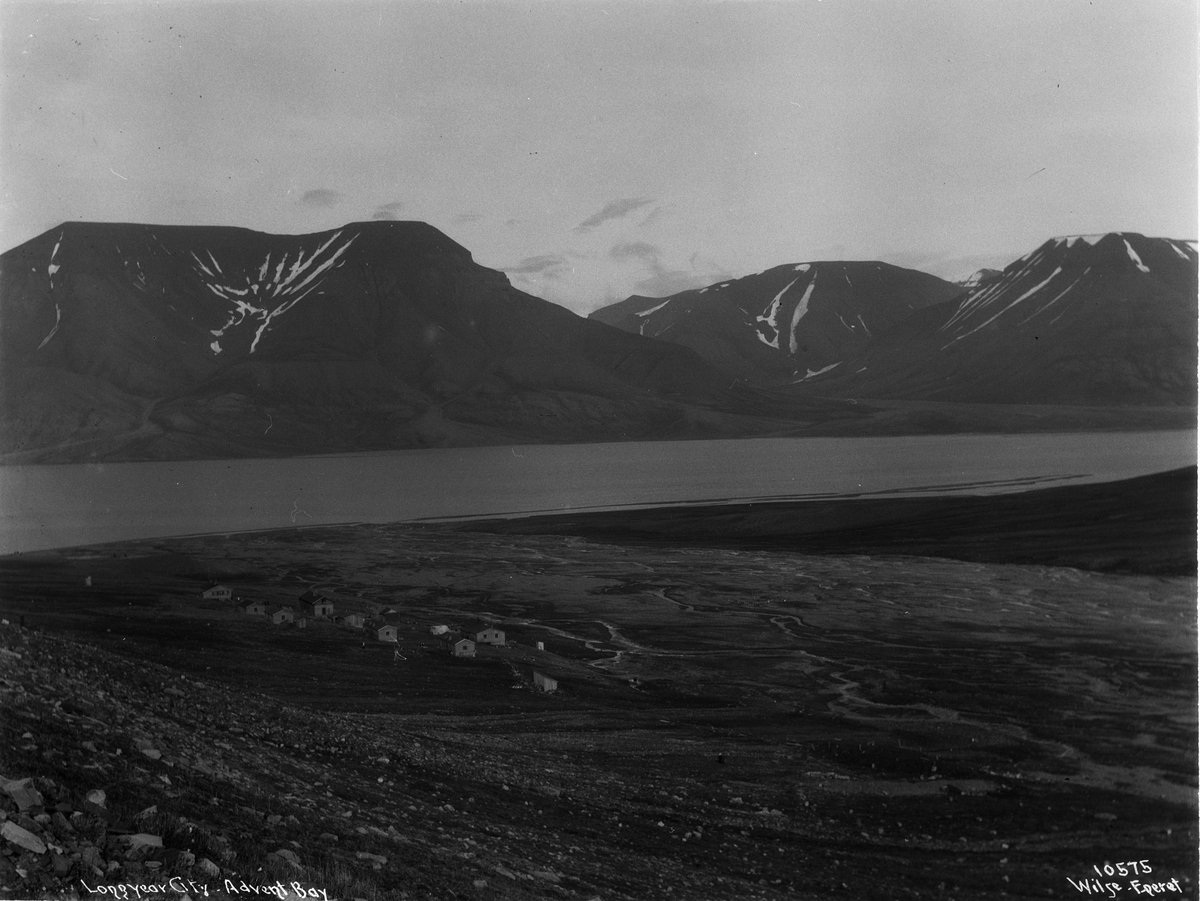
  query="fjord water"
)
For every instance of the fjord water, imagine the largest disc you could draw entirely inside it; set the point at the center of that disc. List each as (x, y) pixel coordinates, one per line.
(57, 506)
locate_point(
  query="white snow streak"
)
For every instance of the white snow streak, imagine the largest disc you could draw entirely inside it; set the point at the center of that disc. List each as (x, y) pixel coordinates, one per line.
(1087, 239)
(774, 343)
(1056, 299)
(1175, 247)
(654, 309)
(1133, 256)
(54, 267)
(864, 325)
(994, 317)
(200, 263)
(982, 298)
(771, 313)
(798, 313)
(57, 321)
(303, 277)
(813, 373)
(803, 267)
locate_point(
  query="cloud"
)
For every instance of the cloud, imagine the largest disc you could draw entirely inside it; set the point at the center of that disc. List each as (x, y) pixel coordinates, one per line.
(614, 209)
(639, 250)
(663, 281)
(320, 197)
(545, 265)
(387, 210)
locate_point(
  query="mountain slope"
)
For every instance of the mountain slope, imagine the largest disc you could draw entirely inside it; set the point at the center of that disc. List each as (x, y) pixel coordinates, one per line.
(1099, 319)
(785, 323)
(154, 342)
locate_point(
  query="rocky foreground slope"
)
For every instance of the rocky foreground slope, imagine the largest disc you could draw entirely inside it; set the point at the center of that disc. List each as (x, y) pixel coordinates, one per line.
(127, 773)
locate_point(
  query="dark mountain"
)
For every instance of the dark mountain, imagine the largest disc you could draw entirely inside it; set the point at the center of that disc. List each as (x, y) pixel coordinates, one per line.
(155, 342)
(1105, 320)
(787, 323)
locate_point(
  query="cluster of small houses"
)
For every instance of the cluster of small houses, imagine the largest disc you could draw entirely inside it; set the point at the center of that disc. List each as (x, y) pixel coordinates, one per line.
(459, 643)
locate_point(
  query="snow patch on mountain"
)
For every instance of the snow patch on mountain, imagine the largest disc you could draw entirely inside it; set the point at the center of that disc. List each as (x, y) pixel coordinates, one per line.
(53, 331)
(653, 309)
(1057, 298)
(813, 373)
(1181, 253)
(803, 267)
(1071, 240)
(1032, 291)
(770, 316)
(1137, 260)
(302, 278)
(798, 313)
(54, 267)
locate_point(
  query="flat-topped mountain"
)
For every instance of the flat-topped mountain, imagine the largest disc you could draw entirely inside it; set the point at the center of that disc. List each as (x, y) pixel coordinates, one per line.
(166, 342)
(787, 323)
(1096, 319)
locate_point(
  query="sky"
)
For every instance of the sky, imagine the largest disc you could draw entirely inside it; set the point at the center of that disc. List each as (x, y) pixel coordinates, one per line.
(593, 150)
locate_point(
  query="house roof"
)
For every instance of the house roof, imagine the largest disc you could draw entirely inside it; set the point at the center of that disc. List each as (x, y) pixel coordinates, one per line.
(252, 604)
(278, 608)
(309, 598)
(451, 638)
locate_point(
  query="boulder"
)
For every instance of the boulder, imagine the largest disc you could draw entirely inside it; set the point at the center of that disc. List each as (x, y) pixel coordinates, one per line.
(23, 792)
(22, 837)
(142, 840)
(208, 868)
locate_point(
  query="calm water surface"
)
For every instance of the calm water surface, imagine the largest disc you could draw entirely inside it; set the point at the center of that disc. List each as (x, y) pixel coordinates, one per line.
(63, 506)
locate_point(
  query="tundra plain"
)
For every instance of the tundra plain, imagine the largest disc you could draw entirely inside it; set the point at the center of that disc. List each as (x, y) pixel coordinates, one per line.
(732, 722)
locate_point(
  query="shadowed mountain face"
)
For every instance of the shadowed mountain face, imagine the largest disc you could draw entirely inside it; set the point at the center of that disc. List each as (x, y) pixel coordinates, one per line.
(1097, 319)
(785, 324)
(154, 342)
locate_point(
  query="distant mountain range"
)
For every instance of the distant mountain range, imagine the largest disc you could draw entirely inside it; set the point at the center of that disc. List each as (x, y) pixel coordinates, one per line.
(127, 342)
(788, 322)
(154, 342)
(1096, 320)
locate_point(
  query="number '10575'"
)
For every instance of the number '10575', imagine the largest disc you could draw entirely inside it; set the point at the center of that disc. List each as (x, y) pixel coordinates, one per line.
(1136, 867)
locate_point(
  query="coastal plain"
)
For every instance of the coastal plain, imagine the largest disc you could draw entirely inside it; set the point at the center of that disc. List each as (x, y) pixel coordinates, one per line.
(731, 721)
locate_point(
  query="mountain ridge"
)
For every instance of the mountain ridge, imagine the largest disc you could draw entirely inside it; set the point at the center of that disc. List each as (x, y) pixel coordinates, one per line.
(1086, 319)
(787, 322)
(178, 341)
